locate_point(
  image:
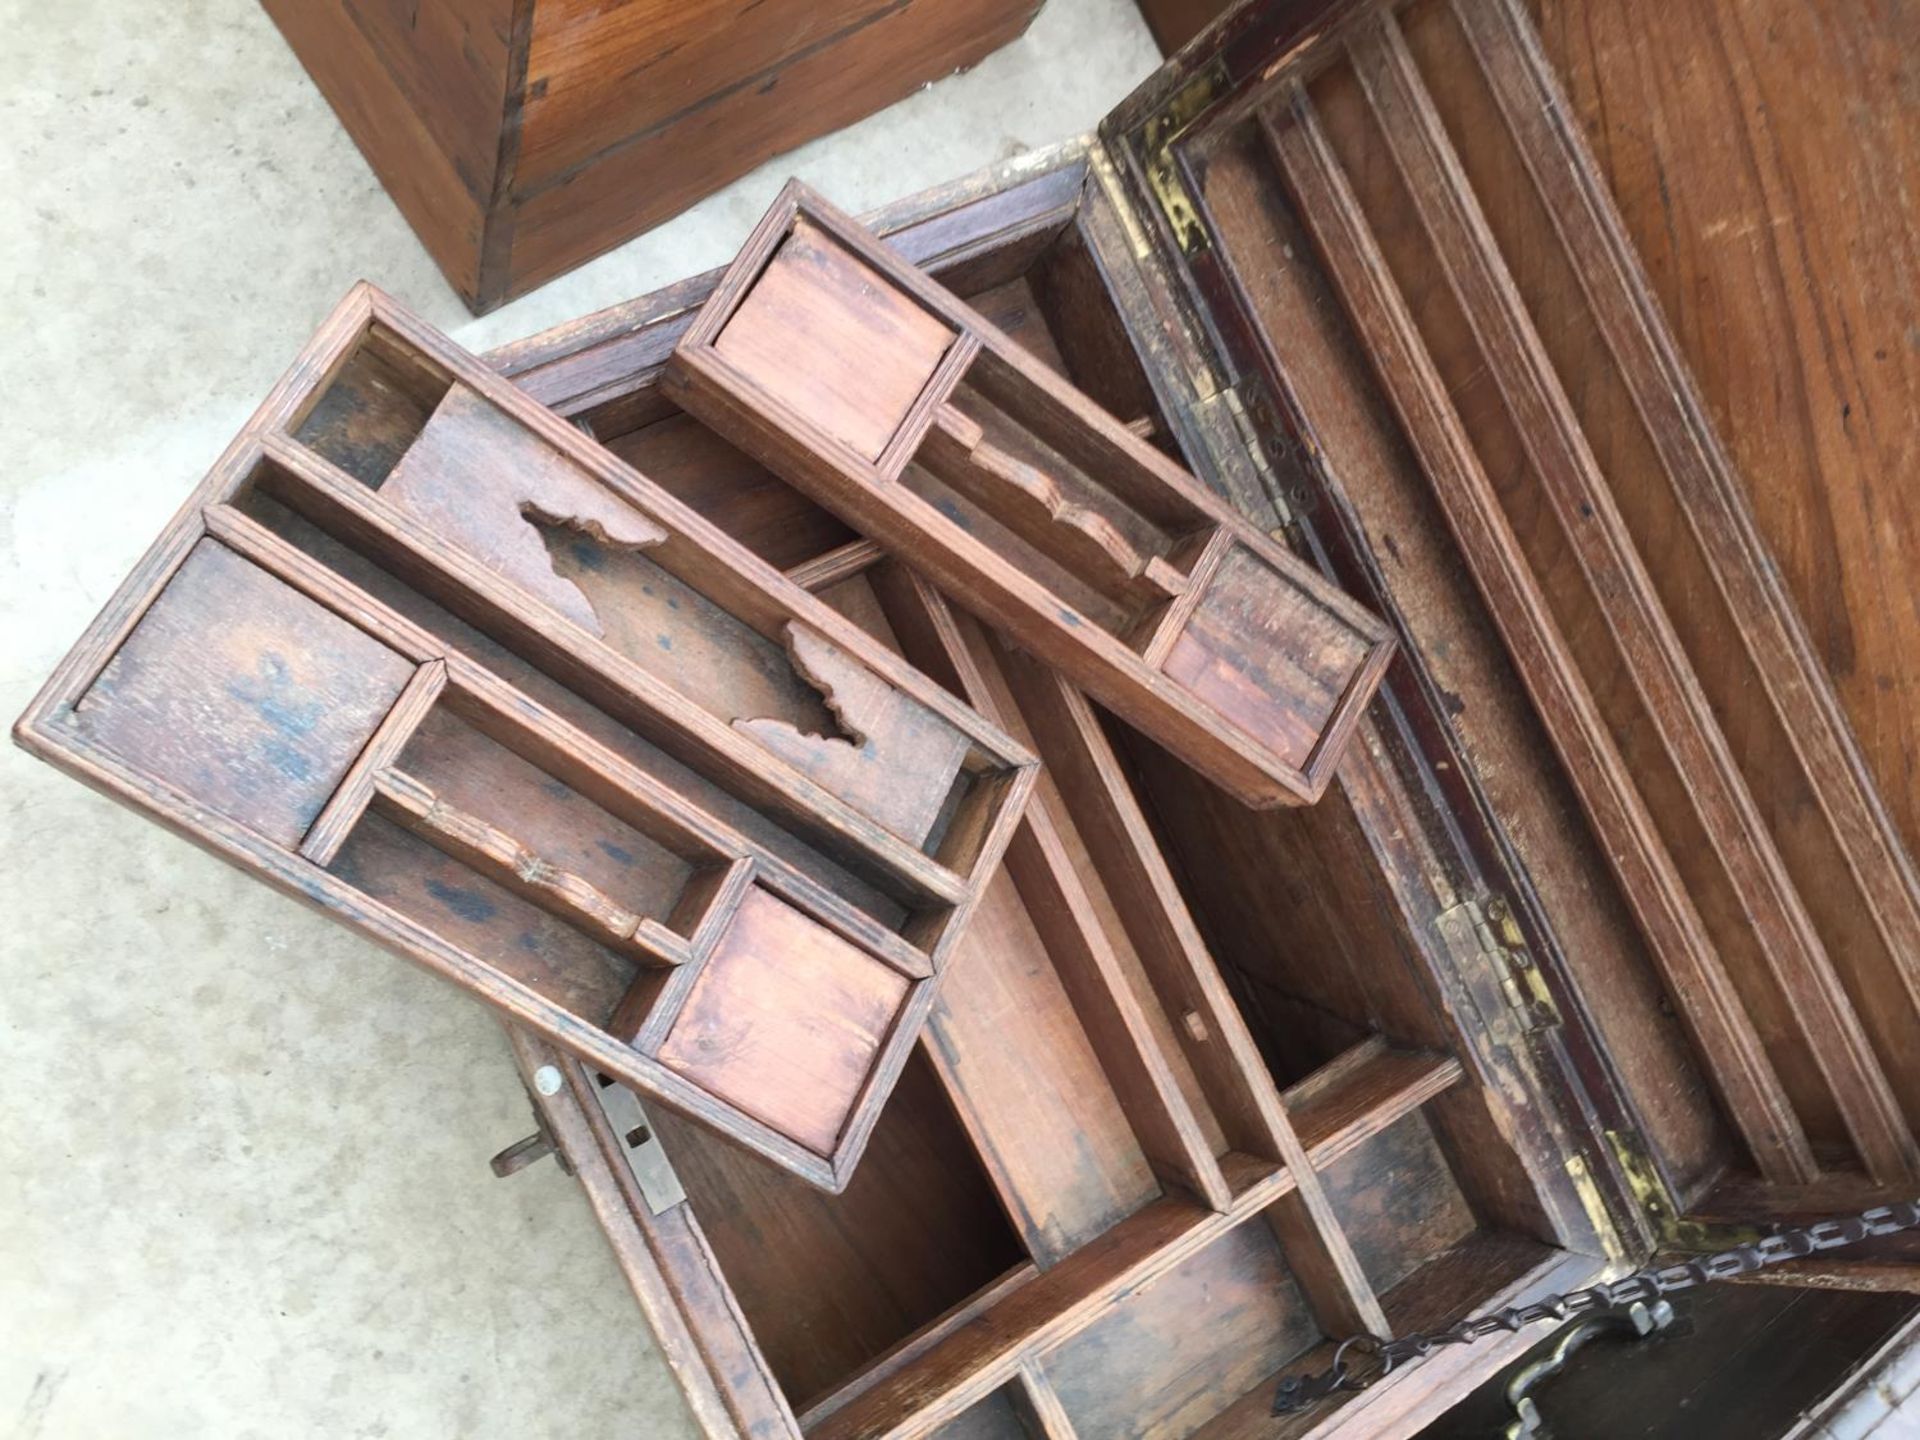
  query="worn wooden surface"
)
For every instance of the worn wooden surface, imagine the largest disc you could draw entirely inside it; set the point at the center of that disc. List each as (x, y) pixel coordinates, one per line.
(1423, 188)
(1141, 1126)
(523, 137)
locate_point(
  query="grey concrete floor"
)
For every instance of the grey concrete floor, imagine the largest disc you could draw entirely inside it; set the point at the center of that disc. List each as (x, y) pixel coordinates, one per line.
(243, 1184)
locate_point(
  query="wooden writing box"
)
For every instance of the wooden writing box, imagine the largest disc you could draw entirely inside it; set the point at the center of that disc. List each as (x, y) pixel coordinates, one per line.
(426, 656)
(1207, 1086)
(903, 412)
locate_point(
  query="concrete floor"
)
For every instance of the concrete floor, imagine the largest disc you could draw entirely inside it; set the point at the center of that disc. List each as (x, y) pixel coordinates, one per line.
(243, 1184)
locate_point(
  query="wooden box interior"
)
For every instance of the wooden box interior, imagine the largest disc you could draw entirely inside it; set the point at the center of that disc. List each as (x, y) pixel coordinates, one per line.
(1186, 1105)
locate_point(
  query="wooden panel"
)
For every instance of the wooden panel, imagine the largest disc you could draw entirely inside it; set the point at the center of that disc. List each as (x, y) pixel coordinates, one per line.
(1777, 234)
(242, 694)
(1398, 1201)
(866, 363)
(1168, 1357)
(1261, 653)
(732, 122)
(1748, 841)
(829, 1282)
(1053, 1134)
(1107, 625)
(786, 1019)
(1373, 473)
(475, 476)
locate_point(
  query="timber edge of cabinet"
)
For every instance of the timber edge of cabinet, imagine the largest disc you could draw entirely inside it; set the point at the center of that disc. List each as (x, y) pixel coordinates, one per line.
(424, 655)
(521, 138)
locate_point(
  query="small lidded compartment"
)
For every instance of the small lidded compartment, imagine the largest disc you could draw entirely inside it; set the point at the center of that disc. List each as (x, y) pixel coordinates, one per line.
(872, 349)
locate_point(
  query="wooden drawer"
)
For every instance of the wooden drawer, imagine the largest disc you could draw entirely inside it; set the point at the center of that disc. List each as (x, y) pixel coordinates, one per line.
(427, 657)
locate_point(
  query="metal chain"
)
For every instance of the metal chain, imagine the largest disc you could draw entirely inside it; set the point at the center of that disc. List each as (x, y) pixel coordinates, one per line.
(1382, 1357)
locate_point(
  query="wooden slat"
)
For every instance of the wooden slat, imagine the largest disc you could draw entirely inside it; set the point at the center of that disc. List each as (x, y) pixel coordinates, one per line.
(1677, 705)
(985, 1354)
(1703, 481)
(1361, 1093)
(1757, 1101)
(1061, 725)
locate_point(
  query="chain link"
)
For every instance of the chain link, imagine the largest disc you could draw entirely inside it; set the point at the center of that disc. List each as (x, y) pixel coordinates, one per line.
(1380, 1358)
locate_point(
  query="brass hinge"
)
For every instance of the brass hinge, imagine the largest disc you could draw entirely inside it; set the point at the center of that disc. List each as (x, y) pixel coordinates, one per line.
(1504, 943)
(1673, 1230)
(1157, 158)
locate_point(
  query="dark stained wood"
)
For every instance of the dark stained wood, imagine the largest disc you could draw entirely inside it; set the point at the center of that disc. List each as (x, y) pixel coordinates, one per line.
(1161, 1361)
(523, 137)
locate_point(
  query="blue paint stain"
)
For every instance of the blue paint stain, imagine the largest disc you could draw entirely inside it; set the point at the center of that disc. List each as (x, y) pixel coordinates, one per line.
(953, 512)
(673, 602)
(615, 852)
(587, 555)
(527, 943)
(666, 641)
(288, 760)
(278, 699)
(464, 903)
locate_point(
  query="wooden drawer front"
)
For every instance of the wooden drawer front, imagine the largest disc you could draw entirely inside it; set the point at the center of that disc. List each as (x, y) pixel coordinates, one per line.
(427, 656)
(898, 408)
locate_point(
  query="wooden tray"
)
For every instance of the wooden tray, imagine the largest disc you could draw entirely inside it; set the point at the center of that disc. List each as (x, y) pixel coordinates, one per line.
(430, 658)
(901, 410)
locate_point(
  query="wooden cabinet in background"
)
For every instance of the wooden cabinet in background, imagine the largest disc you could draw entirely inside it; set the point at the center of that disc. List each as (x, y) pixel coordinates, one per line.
(521, 138)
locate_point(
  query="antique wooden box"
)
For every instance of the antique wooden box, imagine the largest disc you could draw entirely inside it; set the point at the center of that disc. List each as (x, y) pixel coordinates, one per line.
(1599, 945)
(523, 137)
(427, 657)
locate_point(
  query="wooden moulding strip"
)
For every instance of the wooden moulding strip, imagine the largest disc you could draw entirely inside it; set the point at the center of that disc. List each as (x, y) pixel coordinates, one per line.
(1757, 1102)
(706, 383)
(1703, 481)
(987, 1352)
(356, 790)
(738, 764)
(1616, 576)
(1207, 1023)
(1359, 1094)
